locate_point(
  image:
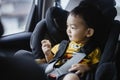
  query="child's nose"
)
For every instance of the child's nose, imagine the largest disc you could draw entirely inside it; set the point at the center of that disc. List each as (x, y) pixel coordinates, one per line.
(68, 30)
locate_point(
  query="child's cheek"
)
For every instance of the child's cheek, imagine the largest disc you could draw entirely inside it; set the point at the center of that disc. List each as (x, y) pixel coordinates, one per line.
(77, 38)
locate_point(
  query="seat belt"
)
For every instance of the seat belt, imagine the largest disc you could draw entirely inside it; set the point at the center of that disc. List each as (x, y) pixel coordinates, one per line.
(58, 56)
(77, 57)
(88, 48)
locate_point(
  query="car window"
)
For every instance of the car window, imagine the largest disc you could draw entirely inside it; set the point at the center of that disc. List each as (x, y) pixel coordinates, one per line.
(118, 9)
(14, 15)
(64, 3)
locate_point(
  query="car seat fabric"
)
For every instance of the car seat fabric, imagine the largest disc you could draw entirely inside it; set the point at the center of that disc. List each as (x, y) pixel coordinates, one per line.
(35, 42)
(56, 23)
(36, 37)
(24, 53)
(109, 50)
(117, 60)
(52, 27)
(107, 69)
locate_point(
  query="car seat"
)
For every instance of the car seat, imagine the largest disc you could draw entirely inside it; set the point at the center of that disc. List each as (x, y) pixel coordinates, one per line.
(117, 59)
(107, 69)
(53, 27)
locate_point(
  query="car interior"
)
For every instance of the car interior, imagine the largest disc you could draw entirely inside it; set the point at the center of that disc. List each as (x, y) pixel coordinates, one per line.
(48, 21)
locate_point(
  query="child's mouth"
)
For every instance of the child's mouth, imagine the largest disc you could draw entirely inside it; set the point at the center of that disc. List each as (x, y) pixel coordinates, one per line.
(70, 36)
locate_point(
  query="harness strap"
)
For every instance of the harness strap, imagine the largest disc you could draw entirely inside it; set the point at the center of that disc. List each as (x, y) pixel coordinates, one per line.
(54, 73)
(87, 49)
(61, 50)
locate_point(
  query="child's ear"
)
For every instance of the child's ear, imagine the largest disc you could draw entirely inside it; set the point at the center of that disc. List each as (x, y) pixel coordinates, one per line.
(90, 32)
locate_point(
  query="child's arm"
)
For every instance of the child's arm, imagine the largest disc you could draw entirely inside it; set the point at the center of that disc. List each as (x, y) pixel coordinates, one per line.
(46, 47)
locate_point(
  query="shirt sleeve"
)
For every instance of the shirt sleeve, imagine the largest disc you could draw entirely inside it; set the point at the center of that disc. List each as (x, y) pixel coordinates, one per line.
(95, 56)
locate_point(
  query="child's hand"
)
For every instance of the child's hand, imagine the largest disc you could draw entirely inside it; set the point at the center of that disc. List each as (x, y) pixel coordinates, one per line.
(79, 68)
(46, 47)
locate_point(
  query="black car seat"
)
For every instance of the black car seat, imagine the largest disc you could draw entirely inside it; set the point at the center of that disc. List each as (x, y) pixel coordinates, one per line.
(107, 69)
(117, 59)
(53, 27)
(49, 28)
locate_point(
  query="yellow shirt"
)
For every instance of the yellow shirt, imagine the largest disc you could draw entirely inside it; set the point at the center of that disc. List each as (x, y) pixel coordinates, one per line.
(92, 58)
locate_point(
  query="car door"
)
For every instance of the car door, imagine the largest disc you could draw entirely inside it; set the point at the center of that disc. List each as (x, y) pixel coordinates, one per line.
(16, 19)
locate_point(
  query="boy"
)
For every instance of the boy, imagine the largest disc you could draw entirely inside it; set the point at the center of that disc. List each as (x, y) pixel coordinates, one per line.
(81, 28)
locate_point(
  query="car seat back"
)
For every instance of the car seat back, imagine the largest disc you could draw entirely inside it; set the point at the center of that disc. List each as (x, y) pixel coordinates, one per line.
(56, 23)
(117, 60)
(107, 69)
(53, 27)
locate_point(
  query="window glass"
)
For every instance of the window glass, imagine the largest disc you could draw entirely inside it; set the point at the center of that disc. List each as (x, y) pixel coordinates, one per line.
(64, 3)
(14, 15)
(118, 9)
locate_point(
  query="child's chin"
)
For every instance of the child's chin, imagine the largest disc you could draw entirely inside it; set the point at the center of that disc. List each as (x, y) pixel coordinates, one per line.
(71, 39)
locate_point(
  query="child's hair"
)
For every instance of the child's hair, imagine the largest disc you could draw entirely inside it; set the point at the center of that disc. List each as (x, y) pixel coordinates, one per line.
(91, 15)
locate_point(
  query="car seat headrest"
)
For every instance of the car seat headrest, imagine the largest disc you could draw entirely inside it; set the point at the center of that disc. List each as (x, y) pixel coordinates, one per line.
(106, 6)
(56, 23)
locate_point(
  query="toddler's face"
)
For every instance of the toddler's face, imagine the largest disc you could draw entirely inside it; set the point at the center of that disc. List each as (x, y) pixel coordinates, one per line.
(76, 29)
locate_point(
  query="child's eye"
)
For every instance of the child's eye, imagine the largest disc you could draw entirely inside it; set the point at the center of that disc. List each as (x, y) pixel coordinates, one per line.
(73, 27)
